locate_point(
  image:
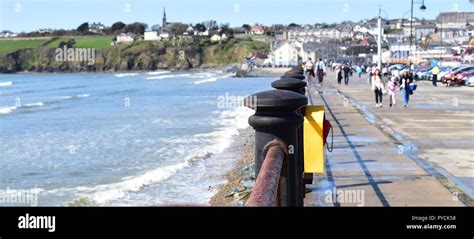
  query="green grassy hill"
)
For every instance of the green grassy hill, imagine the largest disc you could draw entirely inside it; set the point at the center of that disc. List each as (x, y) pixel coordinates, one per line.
(12, 45)
(39, 54)
(97, 42)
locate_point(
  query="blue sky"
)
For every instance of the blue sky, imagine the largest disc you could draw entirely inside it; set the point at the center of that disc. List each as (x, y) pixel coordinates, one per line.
(27, 15)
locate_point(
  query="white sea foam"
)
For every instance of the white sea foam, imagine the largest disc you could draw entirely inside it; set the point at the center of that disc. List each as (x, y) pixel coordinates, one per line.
(7, 110)
(7, 83)
(158, 72)
(126, 74)
(212, 79)
(105, 193)
(228, 122)
(71, 97)
(202, 75)
(10, 109)
(32, 105)
(160, 77)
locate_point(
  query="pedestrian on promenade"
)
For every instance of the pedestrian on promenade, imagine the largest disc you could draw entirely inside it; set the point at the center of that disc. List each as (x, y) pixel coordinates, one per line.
(320, 70)
(392, 89)
(385, 70)
(359, 71)
(339, 73)
(435, 71)
(405, 81)
(309, 70)
(378, 87)
(347, 70)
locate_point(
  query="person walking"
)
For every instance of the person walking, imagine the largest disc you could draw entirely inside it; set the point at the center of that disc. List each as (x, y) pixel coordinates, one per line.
(320, 70)
(347, 70)
(359, 70)
(339, 70)
(309, 70)
(392, 89)
(378, 87)
(405, 81)
(435, 71)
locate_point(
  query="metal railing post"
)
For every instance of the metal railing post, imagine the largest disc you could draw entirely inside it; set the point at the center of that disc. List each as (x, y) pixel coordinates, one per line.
(297, 86)
(276, 118)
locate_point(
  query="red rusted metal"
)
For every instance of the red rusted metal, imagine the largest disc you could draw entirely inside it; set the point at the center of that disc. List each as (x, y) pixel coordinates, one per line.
(269, 187)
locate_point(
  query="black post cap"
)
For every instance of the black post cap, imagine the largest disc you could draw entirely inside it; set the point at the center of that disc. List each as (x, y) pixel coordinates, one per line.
(291, 84)
(297, 76)
(278, 100)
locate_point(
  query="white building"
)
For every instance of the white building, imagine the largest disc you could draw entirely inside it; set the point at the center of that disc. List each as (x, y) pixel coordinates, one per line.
(151, 36)
(204, 33)
(216, 37)
(257, 30)
(164, 35)
(311, 35)
(125, 38)
(456, 20)
(285, 53)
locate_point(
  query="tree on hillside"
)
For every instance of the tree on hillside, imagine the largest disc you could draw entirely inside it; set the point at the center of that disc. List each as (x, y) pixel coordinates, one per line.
(200, 27)
(225, 29)
(136, 27)
(155, 27)
(247, 27)
(117, 27)
(293, 25)
(83, 28)
(178, 28)
(59, 32)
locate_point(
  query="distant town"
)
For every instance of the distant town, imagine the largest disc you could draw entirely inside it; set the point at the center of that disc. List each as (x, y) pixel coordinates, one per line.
(449, 37)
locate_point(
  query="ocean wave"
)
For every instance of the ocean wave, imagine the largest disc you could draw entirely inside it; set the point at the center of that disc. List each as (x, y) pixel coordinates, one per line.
(7, 83)
(160, 77)
(71, 97)
(229, 124)
(158, 72)
(10, 109)
(216, 142)
(108, 192)
(212, 79)
(70, 87)
(125, 74)
(202, 75)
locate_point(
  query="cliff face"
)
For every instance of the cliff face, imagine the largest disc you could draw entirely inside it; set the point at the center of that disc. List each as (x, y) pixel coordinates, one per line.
(140, 56)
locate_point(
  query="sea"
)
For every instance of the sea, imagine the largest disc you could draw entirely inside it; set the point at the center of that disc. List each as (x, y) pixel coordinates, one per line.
(119, 139)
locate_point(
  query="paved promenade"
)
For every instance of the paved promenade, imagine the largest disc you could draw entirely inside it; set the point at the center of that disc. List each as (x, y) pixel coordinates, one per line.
(418, 156)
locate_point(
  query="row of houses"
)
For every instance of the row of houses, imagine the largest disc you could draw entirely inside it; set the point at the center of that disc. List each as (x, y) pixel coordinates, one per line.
(165, 33)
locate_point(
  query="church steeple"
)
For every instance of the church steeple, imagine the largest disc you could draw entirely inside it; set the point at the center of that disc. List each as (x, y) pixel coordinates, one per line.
(164, 23)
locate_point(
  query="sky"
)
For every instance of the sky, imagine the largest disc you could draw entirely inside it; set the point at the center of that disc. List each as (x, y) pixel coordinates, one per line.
(28, 15)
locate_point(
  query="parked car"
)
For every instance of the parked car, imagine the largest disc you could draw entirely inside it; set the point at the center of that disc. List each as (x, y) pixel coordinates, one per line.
(444, 71)
(422, 72)
(469, 81)
(452, 79)
(463, 76)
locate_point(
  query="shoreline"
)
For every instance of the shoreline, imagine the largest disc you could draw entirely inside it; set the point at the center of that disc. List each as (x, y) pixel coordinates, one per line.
(257, 72)
(218, 67)
(241, 177)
